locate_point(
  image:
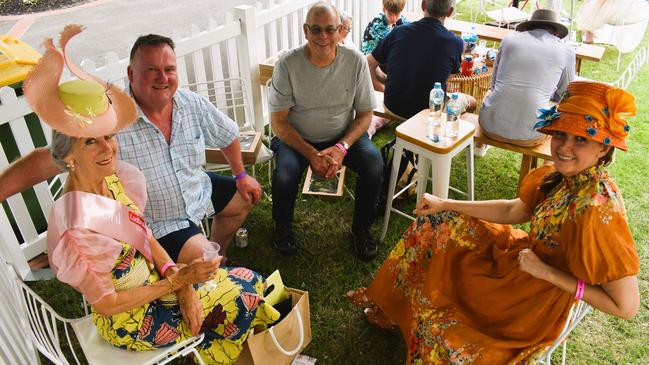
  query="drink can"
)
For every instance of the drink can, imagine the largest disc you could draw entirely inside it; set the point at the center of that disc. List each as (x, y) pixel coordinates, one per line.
(241, 237)
(467, 65)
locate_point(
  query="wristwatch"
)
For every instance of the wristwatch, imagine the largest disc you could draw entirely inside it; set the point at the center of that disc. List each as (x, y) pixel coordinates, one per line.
(345, 144)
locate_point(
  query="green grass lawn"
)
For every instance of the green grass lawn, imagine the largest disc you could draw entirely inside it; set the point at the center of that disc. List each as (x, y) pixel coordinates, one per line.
(327, 268)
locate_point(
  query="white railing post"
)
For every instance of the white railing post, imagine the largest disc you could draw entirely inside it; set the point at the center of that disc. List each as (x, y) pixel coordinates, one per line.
(249, 60)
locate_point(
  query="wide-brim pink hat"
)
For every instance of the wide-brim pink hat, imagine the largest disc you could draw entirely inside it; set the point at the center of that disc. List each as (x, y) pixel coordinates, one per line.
(41, 88)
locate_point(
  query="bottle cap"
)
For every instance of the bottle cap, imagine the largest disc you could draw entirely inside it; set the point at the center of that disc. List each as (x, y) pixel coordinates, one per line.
(438, 85)
(455, 96)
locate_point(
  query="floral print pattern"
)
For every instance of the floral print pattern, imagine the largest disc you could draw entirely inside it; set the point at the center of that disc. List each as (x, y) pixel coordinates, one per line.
(453, 286)
(570, 199)
(231, 309)
(376, 30)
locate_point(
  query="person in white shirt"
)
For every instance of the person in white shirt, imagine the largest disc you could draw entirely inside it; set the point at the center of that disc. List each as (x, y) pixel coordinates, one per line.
(345, 38)
(532, 69)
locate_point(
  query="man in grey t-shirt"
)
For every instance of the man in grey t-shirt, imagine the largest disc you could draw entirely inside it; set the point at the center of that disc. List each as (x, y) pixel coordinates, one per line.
(321, 101)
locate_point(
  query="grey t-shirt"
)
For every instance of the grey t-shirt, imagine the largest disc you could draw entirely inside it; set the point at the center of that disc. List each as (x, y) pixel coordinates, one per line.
(321, 101)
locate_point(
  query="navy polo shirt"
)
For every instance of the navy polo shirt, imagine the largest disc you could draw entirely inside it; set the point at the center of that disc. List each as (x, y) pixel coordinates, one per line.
(415, 56)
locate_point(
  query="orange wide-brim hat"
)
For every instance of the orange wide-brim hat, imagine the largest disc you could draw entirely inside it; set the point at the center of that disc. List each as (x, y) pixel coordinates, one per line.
(42, 91)
(592, 110)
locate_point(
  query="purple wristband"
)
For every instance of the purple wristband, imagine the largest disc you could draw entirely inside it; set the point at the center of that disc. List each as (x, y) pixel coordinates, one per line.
(240, 175)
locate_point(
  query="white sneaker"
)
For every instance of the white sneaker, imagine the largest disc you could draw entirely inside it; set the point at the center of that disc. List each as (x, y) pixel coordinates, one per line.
(481, 151)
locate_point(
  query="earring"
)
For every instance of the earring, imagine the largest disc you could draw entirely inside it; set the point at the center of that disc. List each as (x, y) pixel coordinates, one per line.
(70, 166)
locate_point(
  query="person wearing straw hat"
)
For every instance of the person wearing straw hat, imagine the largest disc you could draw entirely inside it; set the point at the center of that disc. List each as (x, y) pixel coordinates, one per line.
(532, 69)
(98, 240)
(464, 286)
(166, 144)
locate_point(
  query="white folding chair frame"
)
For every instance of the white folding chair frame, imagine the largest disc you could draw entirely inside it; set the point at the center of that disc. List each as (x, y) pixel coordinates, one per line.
(577, 312)
(51, 334)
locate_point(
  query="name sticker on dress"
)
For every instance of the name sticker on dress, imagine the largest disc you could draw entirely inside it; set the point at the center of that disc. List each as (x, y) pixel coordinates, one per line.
(136, 219)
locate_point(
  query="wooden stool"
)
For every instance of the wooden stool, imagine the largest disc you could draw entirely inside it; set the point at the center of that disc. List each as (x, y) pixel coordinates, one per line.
(380, 110)
(434, 158)
(530, 154)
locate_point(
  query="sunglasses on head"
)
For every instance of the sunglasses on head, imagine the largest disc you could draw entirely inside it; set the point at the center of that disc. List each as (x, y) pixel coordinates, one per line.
(316, 29)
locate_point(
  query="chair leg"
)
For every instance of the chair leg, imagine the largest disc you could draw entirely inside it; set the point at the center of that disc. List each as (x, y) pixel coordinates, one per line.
(535, 163)
(396, 161)
(526, 165)
(423, 174)
(197, 356)
(470, 171)
(441, 166)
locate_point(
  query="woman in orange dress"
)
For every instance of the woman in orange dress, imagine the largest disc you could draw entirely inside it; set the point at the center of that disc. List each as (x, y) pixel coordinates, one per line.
(464, 286)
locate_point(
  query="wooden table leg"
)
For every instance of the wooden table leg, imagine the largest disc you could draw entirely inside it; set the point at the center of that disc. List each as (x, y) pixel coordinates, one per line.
(578, 66)
(526, 165)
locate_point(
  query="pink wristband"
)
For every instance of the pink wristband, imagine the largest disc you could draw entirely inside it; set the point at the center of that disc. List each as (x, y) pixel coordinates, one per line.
(342, 148)
(240, 175)
(166, 266)
(581, 285)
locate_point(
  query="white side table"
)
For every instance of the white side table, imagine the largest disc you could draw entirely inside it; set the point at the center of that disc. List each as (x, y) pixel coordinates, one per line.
(434, 160)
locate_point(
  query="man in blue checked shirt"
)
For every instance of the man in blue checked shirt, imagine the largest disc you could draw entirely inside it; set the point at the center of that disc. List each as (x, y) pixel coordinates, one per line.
(167, 143)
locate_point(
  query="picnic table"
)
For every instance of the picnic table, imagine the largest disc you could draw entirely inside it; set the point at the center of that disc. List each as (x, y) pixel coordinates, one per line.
(583, 51)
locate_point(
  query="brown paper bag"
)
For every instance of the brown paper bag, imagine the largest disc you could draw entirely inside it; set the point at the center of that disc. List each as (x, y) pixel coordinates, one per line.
(280, 344)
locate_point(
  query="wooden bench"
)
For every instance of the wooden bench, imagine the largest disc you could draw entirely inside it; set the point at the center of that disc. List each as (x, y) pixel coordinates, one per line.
(380, 111)
(530, 154)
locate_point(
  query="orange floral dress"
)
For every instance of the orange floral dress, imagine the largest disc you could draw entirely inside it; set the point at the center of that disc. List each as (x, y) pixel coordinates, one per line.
(453, 286)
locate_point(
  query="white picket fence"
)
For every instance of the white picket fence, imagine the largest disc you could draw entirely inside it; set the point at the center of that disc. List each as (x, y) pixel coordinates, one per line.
(229, 50)
(640, 59)
(222, 51)
(232, 50)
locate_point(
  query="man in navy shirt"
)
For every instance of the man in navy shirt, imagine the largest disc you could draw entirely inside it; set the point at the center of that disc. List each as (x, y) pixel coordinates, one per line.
(417, 55)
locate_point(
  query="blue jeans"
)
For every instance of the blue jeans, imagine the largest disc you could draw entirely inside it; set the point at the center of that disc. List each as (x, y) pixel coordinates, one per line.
(363, 158)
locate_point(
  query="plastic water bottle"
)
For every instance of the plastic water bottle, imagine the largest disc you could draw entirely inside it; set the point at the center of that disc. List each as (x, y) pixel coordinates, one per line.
(434, 128)
(434, 118)
(452, 116)
(470, 39)
(436, 99)
(473, 34)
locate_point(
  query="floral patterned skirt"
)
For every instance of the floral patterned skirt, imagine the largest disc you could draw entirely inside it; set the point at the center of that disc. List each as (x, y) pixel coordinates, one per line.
(231, 310)
(453, 287)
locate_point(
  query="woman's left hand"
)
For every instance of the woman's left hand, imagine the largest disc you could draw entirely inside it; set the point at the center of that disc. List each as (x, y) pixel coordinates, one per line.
(532, 264)
(191, 309)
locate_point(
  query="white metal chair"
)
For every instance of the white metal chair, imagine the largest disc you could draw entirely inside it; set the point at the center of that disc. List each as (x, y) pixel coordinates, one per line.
(52, 334)
(15, 343)
(577, 313)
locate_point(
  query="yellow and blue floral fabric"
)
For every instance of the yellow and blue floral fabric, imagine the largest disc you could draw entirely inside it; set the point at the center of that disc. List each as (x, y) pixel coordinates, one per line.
(231, 309)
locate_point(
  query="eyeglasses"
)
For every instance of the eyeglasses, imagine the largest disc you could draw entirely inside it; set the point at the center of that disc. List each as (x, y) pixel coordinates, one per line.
(316, 29)
(347, 29)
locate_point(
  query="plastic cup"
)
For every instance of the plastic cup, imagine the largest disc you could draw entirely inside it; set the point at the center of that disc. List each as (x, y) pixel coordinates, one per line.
(211, 251)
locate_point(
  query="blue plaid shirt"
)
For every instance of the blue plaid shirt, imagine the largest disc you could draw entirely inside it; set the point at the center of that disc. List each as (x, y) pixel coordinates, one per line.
(177, 187)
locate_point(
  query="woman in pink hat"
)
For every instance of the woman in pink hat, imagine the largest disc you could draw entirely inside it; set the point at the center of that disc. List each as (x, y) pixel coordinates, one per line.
(98, 241)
